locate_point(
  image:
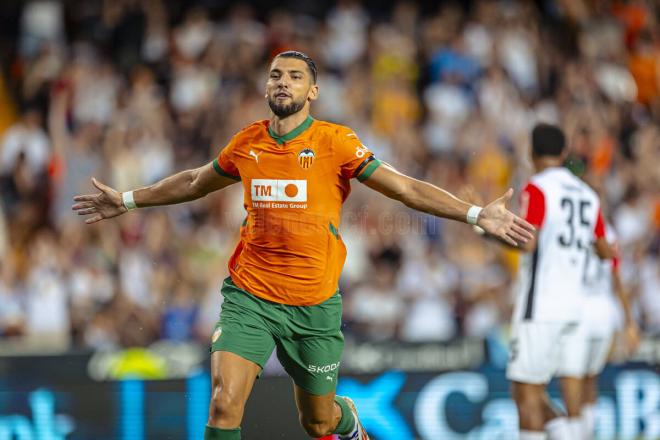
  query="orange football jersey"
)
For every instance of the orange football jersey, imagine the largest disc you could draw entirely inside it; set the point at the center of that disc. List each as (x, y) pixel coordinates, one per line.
(290, 250)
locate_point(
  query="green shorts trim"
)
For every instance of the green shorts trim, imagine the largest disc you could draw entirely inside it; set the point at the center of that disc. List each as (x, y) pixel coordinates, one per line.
(308, 339)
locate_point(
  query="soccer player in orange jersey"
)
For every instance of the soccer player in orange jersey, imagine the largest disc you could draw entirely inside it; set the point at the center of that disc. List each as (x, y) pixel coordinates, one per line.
(282, 290)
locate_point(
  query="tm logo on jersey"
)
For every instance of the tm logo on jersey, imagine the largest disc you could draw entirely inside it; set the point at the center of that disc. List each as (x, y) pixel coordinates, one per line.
(266, 193)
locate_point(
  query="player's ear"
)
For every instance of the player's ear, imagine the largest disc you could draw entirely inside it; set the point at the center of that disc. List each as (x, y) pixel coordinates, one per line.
(313, 93)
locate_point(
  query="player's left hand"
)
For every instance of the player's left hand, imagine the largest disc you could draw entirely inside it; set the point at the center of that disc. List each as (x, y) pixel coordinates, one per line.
(501, 223)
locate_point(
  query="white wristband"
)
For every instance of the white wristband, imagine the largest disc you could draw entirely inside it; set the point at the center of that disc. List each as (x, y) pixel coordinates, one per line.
(473, 214)
(127, 199)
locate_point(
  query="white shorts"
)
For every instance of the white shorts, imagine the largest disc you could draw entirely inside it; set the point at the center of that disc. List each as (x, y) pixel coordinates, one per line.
(535, 350)
(584, 352)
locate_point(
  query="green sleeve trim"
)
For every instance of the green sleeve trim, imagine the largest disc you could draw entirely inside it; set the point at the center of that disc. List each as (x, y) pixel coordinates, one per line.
(333, 230)
(369, 170)
(293, 133)
(218, 169)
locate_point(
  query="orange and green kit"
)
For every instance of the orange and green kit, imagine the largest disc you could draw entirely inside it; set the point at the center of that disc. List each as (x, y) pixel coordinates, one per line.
(290, 251)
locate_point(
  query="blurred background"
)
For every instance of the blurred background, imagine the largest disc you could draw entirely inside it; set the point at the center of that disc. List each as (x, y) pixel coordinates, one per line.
(130, 91)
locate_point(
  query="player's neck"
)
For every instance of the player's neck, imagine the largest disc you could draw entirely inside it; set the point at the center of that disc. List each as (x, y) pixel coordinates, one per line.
(282, 126)
(545, 162)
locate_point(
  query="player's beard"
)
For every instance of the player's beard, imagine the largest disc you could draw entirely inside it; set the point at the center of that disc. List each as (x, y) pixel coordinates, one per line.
(284, 110)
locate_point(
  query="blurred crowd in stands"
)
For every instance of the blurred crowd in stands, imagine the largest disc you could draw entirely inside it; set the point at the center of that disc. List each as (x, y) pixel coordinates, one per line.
(130, 91)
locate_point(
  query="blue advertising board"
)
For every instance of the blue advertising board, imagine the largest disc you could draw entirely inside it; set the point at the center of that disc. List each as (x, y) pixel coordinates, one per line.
(64, 403)
(475, 405)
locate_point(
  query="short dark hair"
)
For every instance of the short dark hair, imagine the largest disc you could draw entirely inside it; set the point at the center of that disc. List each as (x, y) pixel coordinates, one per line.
(300, 56)
(547, 140)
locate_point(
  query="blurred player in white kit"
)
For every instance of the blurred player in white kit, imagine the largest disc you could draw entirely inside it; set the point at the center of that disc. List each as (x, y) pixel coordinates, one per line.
(549, 293)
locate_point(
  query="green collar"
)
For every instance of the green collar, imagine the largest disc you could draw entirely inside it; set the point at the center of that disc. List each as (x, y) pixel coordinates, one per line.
(293, 133)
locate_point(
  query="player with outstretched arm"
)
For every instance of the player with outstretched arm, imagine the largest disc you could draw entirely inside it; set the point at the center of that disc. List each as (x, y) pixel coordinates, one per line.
(282, 292)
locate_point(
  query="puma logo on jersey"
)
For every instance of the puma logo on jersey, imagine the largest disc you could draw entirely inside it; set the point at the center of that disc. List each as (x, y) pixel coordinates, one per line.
(276, 190)
(255, 155)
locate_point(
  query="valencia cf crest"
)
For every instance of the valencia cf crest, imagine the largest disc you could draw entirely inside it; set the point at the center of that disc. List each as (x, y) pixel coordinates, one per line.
(306, 158)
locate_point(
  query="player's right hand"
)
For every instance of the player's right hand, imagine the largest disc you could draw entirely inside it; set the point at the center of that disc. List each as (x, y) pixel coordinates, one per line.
(106, 204)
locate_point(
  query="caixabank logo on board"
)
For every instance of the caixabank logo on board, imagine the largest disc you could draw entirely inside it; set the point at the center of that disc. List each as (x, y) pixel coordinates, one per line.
(278, 193)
